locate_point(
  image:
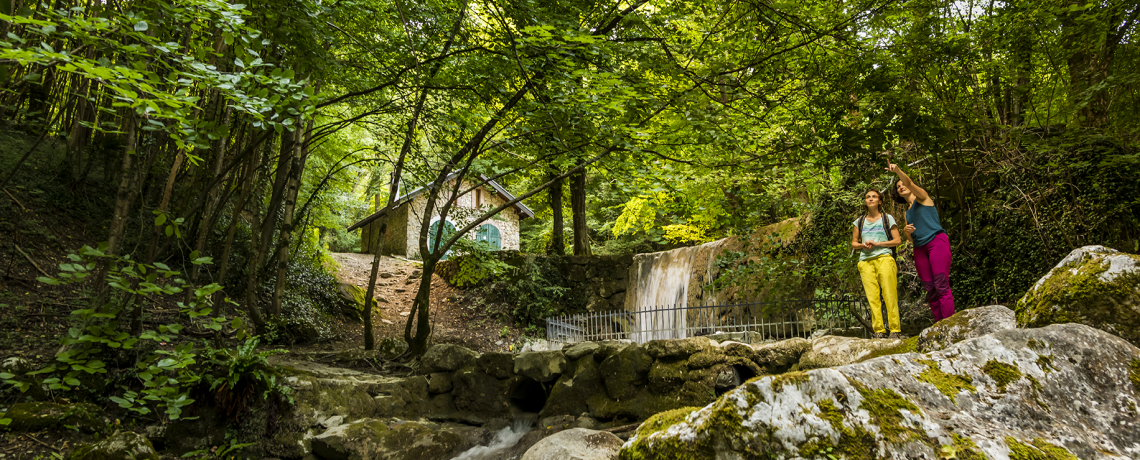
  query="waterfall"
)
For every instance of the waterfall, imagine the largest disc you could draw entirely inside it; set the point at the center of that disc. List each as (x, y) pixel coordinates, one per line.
(671, 279)
(505, 439)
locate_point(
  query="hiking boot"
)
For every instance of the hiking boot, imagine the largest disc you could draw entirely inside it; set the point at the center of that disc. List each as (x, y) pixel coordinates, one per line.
(894, 335)
(878, 335)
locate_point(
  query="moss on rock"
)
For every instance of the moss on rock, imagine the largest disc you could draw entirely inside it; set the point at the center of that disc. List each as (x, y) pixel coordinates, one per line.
(1134, 373)
(1002, 373)
(1039, 450)
(964, 449)
(886, 406)
(36, 416)
(664, 420)
(949, 384)
(1093, 285)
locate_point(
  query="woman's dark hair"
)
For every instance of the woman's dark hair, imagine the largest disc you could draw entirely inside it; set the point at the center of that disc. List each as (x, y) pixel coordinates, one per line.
(895, 194)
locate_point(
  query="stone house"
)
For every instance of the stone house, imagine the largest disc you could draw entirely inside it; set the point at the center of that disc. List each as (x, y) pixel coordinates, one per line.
(395, 230)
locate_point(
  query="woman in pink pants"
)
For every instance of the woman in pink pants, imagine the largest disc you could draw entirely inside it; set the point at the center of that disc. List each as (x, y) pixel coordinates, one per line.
(931, 245)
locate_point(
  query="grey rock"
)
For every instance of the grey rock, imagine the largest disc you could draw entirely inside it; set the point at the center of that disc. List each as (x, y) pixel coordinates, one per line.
(372, 439)
(782, 353)
(831, 351)
(579, 350)
(447, 358)
(359, 440)
(1093, 285)
(391, 347)
(439, 382)
(123, 445)
(625, 372)
(1013, 389)
(385, 275)
(498, 365)
(966, 324)
(542, 366)
(610, 348)
(42, 415)
(576, 444)
(481, 395)
(678, 348)
(556, 421)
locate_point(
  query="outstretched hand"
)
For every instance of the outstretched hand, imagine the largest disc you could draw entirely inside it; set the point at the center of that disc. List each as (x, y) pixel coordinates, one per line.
(893, 168)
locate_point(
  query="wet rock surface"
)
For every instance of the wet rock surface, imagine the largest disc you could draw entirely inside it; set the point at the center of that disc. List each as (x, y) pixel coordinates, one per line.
(1062, 391)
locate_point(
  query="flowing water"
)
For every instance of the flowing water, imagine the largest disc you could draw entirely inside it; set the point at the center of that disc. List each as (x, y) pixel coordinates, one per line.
(505, 439)
(670, 279)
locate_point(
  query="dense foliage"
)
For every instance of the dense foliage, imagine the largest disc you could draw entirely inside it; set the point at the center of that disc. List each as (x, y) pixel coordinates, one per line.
(270, 127)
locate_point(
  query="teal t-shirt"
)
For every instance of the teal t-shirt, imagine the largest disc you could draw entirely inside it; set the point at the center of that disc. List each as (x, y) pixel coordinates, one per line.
(874, 231)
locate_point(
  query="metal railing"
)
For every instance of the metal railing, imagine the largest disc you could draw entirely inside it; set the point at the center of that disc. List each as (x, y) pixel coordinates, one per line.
(763, 321)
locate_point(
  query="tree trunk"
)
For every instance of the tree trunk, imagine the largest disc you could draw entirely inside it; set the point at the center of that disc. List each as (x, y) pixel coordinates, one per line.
(557, 239)
(284, 162)
(249, 183)
(578, 207)
(417, 344)
(286, 235)
(369, 340)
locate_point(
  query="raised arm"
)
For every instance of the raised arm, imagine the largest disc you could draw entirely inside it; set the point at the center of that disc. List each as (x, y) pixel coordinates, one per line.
(920, 193)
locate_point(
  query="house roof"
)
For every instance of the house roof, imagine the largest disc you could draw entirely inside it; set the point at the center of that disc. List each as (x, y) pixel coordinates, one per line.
(524, 211)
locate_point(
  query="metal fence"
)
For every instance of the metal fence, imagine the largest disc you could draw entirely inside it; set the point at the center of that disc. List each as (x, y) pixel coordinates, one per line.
(774, 320)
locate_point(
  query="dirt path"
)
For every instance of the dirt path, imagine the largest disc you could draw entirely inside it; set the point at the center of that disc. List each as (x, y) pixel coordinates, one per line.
(456, 318)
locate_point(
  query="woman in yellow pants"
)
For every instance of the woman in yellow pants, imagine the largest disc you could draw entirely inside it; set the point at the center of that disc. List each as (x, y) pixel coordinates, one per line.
(874, 235)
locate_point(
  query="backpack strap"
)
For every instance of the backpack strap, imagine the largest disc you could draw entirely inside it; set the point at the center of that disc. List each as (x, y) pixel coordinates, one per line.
(861, 227)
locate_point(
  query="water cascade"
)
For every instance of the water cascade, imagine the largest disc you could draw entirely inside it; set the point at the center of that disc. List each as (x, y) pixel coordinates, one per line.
(505, 439)
(663, 283)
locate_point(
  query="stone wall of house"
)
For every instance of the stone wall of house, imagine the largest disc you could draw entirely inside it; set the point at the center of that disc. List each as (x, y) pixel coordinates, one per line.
(461, 214)
(394, 239)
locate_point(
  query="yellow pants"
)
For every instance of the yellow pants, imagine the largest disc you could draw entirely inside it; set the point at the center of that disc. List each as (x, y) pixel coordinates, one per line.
(881, 272)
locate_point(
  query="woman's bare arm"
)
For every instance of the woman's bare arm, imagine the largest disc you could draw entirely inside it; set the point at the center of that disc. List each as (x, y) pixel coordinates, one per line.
(920, 193)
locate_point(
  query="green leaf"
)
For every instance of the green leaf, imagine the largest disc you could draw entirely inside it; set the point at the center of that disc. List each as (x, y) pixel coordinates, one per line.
(141, 26)
(161, 219)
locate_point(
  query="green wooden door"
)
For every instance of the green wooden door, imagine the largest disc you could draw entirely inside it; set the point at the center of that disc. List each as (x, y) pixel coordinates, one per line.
(490, 234)
(448, 230)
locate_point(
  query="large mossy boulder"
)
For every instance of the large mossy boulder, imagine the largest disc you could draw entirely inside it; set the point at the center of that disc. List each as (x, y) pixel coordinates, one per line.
(1061, 392)
(447, 357)
(624, 372)
(781, 355)
(38, 416)
(123, 445)
(540, 366)
(966, 324)
(1093, 285)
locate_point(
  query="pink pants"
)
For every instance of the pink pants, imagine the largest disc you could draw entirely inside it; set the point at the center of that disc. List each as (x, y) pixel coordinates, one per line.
(932, 261)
